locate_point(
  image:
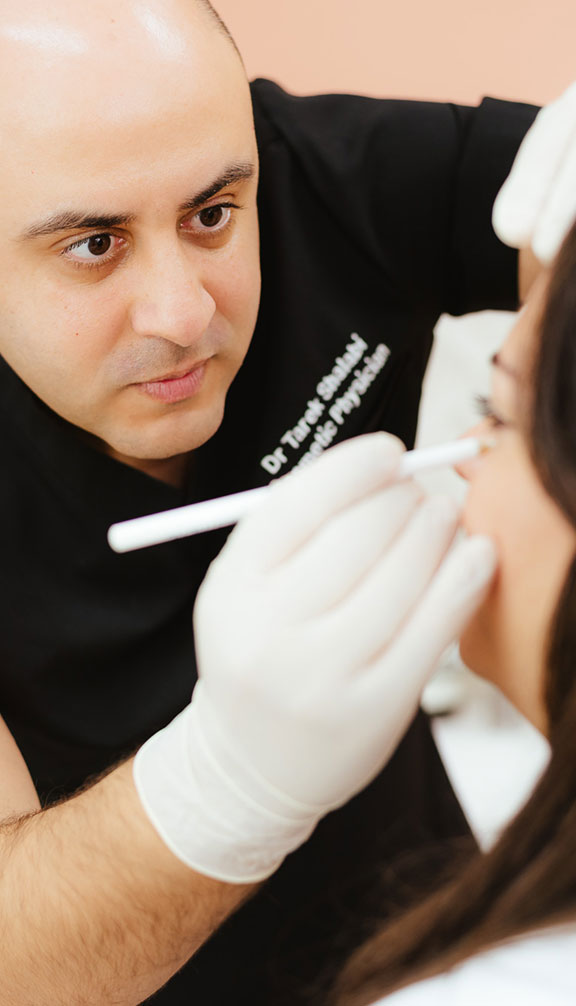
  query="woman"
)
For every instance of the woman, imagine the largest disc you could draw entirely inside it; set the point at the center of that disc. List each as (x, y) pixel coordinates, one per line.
(505, 929)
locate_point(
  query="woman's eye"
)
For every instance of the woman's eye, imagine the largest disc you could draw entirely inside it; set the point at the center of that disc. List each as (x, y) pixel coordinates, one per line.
(485, 408)
(94, 250)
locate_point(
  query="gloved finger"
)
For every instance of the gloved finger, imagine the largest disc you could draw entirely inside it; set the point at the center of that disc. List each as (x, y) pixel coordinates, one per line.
(559, 210)
(523, 195)
(376, 610)
(299, 504)
(324, 571)
(457, 591)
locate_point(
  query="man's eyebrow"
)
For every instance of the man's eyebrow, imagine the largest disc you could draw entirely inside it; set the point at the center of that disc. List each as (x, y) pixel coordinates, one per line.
(71, 220)
(235, 173)
(497, 361)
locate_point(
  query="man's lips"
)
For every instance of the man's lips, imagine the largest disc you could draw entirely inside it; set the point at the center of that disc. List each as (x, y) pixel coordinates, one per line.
(175, 387)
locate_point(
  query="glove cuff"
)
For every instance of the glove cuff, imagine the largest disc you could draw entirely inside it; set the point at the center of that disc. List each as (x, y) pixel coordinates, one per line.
(214, 812)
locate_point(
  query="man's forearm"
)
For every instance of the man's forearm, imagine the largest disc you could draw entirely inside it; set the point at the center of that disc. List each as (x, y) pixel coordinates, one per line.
(95, 909)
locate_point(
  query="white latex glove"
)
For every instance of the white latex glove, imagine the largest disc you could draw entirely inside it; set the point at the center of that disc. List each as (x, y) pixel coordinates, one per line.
(316, 630)
(536, 206)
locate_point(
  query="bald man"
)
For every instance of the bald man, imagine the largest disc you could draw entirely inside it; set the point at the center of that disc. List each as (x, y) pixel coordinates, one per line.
(130, 300)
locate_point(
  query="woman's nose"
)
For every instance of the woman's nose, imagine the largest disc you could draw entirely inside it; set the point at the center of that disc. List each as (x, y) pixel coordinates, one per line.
(466, 469)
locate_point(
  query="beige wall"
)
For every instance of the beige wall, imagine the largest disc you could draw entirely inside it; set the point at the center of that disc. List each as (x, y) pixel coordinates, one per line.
(444, 49)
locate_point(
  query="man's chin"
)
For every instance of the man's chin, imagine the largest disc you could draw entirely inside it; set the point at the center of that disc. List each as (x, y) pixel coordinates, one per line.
(174, 440)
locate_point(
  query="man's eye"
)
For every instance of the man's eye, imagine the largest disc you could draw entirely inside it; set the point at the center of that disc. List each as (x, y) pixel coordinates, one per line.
(211, 220)
(214, 216)
(94, 250)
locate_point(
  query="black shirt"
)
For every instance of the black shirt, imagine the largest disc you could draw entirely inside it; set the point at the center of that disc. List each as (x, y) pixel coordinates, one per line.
(375, 219)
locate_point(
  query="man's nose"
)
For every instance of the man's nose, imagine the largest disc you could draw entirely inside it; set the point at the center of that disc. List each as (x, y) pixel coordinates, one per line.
(172, 301)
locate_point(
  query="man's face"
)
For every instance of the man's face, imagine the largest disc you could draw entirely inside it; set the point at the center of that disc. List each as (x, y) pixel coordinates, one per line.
(129, 259)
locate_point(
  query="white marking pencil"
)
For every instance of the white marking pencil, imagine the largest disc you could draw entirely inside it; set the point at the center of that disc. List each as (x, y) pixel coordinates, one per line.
(216, 513)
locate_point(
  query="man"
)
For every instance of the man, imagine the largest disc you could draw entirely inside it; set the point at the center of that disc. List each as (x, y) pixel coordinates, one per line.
(129, 303)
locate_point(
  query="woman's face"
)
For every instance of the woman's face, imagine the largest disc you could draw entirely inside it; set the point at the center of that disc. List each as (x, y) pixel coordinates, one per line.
(506, 642)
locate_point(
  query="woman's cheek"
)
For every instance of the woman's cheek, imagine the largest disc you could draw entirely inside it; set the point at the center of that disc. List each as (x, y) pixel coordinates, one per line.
(481, 642)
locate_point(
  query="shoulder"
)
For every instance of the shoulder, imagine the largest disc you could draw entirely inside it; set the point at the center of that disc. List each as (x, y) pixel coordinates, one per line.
(309, 121)
(410, 184)
(367, 169)
(398, 157)
(341, 118)
(529, 971)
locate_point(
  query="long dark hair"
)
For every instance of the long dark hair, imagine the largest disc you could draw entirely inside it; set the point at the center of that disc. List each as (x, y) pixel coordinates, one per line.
(528, 880)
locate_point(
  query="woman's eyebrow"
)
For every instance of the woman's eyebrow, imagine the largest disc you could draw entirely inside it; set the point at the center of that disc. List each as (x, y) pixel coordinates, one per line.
(497, 361)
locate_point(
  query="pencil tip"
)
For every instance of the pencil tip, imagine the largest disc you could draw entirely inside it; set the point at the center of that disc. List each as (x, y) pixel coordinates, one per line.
(486, 444)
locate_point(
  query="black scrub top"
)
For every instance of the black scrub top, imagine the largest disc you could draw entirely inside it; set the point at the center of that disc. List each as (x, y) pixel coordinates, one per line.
(375, 219)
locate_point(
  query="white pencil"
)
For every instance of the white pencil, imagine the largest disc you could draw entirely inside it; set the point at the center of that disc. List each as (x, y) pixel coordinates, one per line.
(216, 513)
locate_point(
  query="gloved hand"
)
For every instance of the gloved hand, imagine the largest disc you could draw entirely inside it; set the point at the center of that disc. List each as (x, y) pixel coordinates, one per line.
(536, 206)
(316, 630)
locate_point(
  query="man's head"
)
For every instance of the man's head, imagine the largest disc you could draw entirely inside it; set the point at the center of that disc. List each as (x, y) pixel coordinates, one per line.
(219, 22)
(128, 237)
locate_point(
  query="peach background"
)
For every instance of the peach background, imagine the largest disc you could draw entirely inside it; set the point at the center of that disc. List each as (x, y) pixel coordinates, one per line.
(444, 49)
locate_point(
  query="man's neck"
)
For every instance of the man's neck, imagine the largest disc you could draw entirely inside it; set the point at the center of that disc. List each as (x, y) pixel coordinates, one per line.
(172, 471)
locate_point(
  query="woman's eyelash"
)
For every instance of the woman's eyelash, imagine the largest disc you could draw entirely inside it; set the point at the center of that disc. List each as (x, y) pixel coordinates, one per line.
(486, 410)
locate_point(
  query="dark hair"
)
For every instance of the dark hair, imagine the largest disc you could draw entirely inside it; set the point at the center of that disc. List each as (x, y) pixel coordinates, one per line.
(528, 880)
